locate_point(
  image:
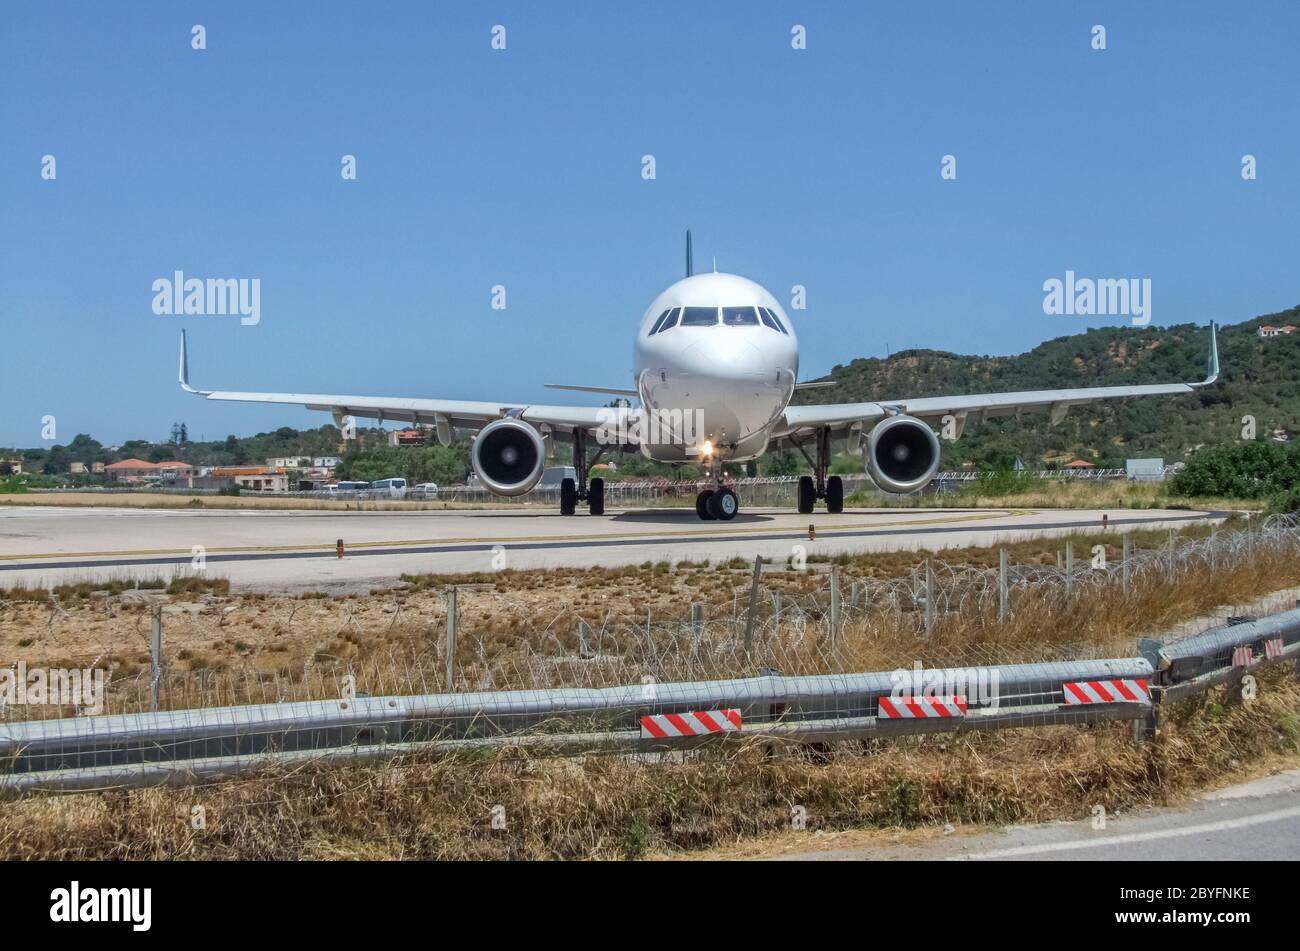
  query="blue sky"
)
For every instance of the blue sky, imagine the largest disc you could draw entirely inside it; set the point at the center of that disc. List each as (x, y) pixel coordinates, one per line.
(523, 168)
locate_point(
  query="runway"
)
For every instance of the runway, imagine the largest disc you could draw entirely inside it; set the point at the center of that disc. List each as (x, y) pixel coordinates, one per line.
(44, 545)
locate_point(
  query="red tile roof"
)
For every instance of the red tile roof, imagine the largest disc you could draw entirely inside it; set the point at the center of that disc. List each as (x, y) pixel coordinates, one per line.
(142, 464)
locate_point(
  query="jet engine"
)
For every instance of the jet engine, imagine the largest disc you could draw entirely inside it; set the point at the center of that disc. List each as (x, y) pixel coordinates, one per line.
(902, 454)
(508, 456)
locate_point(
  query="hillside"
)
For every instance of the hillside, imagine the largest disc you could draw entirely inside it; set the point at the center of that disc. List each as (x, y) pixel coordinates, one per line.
(1258, 377)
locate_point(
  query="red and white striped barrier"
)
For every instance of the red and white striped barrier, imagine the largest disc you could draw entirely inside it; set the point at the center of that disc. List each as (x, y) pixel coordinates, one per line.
(1242, 656)
(920, 708)
(1273, 648)
(696, 723)
(1106, 691)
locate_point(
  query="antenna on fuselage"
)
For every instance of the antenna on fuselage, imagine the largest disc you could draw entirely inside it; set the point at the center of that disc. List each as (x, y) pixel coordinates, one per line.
(690, 258)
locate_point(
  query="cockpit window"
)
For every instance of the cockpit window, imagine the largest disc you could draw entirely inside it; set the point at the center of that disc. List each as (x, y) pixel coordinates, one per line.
(739, 317)
(773, 321)
(699, 316)
(672, 319)
(659, 323)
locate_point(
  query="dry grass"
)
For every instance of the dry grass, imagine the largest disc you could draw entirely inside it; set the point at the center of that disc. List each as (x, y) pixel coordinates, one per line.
(1080, 494)
(526, 629)
(619, 807)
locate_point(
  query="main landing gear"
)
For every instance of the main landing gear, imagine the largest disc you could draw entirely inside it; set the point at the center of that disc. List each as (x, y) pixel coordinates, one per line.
(573, 491)
(720, 503)
(818, 485)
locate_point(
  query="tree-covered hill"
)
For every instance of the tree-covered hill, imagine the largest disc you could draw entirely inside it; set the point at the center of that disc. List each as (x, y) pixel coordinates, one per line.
(1259, 377)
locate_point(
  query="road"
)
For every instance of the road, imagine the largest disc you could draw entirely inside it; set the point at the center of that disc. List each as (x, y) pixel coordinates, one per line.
(1259, 820)
(41, 545)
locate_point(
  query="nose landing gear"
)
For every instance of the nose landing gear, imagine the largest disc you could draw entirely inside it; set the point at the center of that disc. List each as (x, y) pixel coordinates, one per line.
(717, 504)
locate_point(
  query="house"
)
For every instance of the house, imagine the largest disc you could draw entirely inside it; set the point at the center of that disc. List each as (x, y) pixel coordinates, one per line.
(250, 478)
(289, 462)
(1268, 330)
(1079, 465)
(77, 468)
(407, 437)
(325, 462)
(12, 466)
(140, 471)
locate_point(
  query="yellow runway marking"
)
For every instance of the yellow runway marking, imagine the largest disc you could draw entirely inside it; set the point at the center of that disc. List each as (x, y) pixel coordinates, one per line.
(507, 540)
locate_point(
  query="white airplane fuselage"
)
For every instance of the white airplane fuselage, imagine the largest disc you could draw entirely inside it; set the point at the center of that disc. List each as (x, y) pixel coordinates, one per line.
(727, 382)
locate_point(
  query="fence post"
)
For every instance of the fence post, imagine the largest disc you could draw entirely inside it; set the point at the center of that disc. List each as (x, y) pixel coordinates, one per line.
(1004, 608)
(1069, 568)
(1124, 565)
(929, 597)
(451, 639)
(697, 627)
(155, 658)
(753, 604)
(1147, 726)
(835, 608)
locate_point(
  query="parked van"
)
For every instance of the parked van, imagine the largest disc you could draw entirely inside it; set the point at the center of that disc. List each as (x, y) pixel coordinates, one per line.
(394, 488)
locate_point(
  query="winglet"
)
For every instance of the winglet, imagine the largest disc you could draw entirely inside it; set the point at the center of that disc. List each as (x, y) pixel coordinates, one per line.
(1212, 370)
(185, 371)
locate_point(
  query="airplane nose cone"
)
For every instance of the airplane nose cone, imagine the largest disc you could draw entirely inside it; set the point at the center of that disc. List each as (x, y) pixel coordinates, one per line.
(736, 360)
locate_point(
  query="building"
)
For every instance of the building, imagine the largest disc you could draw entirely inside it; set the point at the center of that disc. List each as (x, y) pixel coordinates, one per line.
(1144, 470)
(249, 478)
(325, 462)
(1268, 330)
(289, 462)
(97, 468)
(12, 466)
(77, 468)
(140, 471)
(407, 437)
(1079, 464)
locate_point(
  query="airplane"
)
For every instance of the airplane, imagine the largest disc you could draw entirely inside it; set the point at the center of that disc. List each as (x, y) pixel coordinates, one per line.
(716, 364)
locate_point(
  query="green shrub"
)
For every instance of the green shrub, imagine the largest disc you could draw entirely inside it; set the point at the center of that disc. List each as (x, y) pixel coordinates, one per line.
(1242, 470)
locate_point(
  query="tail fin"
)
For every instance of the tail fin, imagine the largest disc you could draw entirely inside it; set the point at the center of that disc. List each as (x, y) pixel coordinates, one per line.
(690, 258)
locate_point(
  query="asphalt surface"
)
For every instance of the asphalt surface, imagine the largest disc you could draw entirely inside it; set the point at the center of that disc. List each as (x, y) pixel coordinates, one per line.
(42, 545)
(1256, 821)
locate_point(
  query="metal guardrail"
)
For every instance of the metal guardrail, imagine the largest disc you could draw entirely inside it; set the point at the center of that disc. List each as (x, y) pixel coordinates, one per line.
(186, 746)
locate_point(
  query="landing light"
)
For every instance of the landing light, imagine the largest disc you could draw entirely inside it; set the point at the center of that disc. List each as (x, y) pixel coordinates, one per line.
(707, 448)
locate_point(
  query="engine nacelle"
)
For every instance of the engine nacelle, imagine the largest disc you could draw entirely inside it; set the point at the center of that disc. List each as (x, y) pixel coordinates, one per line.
(902, 454)
(508, 456)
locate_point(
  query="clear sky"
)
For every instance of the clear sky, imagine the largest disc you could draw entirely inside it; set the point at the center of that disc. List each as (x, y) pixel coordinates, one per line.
(523, 168)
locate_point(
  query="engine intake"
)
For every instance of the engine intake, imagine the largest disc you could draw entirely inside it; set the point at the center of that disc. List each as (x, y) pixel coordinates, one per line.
(902, 454)
(508, 456)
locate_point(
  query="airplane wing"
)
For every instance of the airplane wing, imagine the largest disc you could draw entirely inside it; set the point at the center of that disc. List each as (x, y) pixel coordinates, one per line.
(979, 406)
(444, 415)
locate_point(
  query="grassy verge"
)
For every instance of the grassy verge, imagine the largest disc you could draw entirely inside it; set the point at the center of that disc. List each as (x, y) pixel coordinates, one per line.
(617, 807)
